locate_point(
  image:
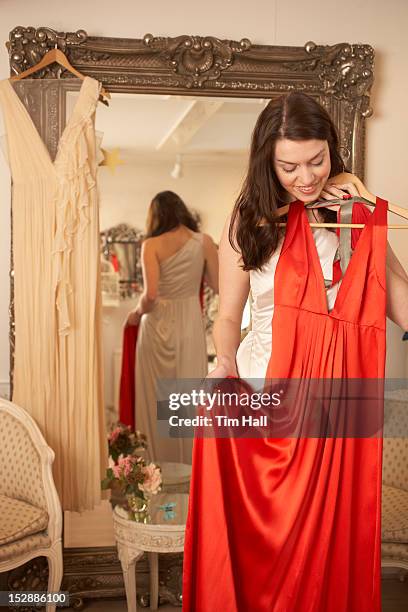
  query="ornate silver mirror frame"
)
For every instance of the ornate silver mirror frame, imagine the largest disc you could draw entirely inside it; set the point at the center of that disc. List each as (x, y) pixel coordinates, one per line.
(338, 76)
(126, 241)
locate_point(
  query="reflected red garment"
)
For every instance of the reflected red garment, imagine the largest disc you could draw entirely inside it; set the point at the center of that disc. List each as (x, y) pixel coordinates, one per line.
(127, 391)
(114, 261)
(202, 294)
(127, 376)
(293, 525)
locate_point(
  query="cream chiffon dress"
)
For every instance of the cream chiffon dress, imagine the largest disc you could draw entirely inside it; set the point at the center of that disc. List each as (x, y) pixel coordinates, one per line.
(255, 350)
(171, 344)
(58, 366)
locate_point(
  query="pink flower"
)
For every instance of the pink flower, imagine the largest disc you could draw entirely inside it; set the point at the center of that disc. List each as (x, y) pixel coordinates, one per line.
(125, 466)
(128, 463)
(117, 471)
(153, 479)
(113, 436)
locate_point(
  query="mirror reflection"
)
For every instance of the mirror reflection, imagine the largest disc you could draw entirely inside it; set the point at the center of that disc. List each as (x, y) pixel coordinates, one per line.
(170, 170)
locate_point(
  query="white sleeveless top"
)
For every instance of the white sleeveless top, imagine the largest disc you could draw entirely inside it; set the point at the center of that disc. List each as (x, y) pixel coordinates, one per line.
(254, 351)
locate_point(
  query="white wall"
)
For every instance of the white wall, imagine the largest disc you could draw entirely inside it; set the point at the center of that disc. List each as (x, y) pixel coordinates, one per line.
(209, 187)
(381, 24)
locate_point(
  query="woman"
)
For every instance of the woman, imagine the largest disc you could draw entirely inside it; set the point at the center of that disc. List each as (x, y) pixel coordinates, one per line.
(171, 339)
(288, 524)
(305, 162)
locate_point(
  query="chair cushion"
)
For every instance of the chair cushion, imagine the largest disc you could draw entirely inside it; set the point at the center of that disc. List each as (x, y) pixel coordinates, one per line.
(390, 551)
(394, 514)
(37, 542)
(19, 519)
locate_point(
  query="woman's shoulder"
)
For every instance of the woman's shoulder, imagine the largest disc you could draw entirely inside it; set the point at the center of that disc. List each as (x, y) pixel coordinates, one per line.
(149, 243)
(208, 241)
(205, 237)
(170, 238)
(164, 237)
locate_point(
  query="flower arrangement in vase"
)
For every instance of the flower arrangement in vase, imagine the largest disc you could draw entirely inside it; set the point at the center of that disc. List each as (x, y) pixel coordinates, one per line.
(122, 440)
(129, 473)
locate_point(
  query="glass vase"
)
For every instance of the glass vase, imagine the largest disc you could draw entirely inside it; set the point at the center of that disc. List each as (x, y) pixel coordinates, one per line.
(139, 508)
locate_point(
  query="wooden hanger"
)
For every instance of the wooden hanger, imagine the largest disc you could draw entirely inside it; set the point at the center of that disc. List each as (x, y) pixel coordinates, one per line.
(57, 56)
(346, 177)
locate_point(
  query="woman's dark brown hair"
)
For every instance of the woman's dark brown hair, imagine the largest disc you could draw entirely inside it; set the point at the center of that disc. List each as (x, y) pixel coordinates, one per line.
(167, 211)
(295, 116)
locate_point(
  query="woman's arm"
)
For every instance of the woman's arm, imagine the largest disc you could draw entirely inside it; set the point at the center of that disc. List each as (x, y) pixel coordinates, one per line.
(394, 263)
(151, 275)
(397, 290)
(211, 262)
(234, 290)
(397, 298)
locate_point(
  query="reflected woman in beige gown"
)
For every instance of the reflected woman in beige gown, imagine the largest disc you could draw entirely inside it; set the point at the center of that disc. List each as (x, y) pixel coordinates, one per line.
(171, 338)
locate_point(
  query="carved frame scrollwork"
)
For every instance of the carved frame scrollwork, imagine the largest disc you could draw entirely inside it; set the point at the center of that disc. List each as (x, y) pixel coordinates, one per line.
(339, 76)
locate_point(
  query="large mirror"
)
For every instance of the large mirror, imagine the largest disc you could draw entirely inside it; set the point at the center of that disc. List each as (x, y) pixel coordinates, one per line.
(180, 119)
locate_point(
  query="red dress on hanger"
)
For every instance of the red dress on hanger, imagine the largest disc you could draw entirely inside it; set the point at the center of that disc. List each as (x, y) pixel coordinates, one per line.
(294, 524)
(127, 377)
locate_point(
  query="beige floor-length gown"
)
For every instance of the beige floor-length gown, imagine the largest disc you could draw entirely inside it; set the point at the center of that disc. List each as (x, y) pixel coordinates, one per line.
(171, 344)
(57, 369)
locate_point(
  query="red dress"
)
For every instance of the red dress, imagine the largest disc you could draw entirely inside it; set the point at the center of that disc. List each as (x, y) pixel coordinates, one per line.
(127, 376)
(294, 524)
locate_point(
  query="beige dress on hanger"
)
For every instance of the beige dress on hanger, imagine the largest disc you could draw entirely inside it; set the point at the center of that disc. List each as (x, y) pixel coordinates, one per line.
(171, 344)
(57, 369)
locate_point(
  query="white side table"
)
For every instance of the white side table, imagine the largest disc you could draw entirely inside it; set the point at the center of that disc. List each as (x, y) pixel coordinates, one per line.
(163, 534)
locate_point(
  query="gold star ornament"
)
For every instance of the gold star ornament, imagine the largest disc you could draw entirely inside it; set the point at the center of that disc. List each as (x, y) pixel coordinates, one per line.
(111, 159)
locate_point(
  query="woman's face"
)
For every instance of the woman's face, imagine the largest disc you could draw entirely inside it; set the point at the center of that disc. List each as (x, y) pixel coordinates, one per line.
(302, 167)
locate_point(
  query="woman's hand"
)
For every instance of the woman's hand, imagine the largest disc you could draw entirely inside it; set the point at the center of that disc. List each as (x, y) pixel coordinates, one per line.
(225, 367)
(332, 191)
(133, 318)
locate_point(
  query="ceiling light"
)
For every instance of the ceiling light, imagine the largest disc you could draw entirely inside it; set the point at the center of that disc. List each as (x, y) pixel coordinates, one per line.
(177, 171)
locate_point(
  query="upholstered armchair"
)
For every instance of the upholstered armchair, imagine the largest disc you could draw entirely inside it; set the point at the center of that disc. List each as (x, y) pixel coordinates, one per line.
(394, 547)
(30, 511)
